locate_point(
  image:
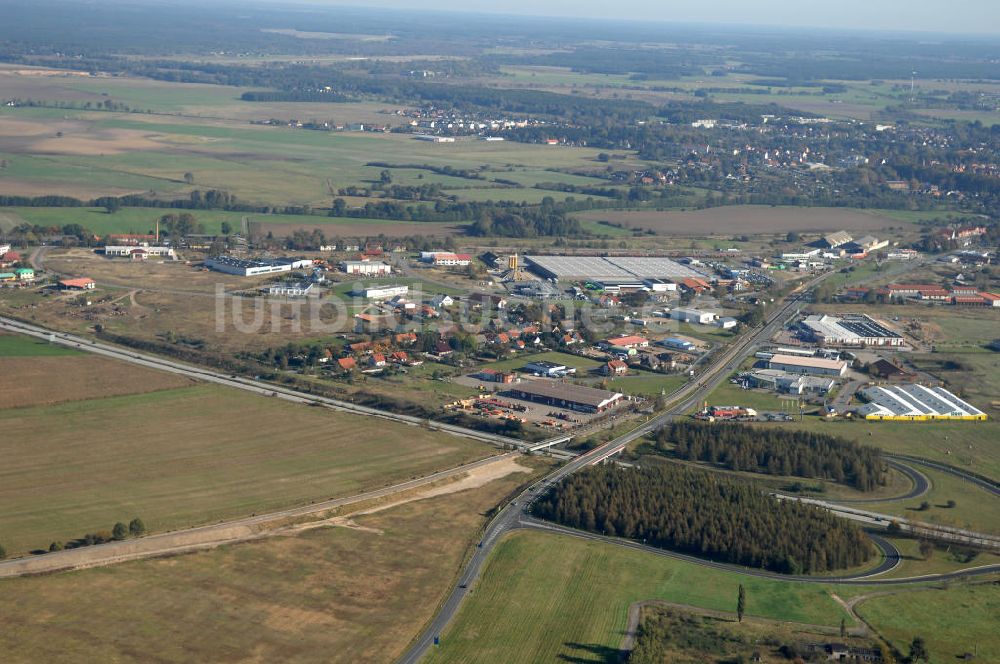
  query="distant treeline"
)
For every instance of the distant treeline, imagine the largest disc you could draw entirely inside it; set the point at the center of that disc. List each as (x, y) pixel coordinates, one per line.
(703, 514)
(213, 199)
(775, 452)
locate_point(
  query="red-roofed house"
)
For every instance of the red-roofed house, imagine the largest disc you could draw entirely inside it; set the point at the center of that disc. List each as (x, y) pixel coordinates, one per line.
(614, 368)
(627, 341)
(9, 258)
(347, 363)
(696, 285)
(451, 259)
(83, 283)
(377, 360)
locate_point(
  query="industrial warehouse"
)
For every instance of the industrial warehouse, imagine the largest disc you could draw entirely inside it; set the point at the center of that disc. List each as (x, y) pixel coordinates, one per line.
(566, 395)
(609, 268)
(915, 402)
(252, 268)
(849, 330)
(817, 366)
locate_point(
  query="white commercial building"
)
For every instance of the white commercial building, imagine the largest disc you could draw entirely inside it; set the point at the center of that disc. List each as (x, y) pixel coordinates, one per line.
(366, 268)
(803, 255)
(138, 252)
(816, 366)
(850, 330)
(693, 316)
(382, 292)
(245, 268)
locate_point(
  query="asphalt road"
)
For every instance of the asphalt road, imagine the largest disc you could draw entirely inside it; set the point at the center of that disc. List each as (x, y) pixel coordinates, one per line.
(890, 556)
(512, 515)
(982, 482)
(919, 484)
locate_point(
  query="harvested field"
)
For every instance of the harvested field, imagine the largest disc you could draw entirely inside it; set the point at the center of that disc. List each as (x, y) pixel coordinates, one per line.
(327, 595)
(746, 219)
(107, 142)
(191, 456)
(40, 381)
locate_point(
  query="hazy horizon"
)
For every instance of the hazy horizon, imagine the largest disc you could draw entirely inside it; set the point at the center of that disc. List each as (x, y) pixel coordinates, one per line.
(976, 17)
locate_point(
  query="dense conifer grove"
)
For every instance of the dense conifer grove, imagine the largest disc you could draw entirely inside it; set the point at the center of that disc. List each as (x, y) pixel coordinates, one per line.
(700, 513)
(775, 452)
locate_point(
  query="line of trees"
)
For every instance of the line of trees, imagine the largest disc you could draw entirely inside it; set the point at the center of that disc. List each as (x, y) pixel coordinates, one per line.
(774, 452)
(699, 513)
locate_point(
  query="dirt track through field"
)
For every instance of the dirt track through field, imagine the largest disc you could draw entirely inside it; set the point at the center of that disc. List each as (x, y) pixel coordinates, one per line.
(257, 527)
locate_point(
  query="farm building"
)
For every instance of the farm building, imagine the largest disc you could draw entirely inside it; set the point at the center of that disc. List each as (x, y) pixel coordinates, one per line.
(913, 402)
(816, 366)
(366, 268)
(608, 268)
(849, 330)
(83, 283)
(565, 395)
(834, 240)
(245, 268)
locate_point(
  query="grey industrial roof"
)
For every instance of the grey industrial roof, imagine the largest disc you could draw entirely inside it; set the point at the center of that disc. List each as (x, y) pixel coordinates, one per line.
(613, 267)
(589, 396)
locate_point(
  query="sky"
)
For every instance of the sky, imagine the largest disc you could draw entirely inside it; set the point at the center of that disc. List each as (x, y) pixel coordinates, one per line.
(955, 16)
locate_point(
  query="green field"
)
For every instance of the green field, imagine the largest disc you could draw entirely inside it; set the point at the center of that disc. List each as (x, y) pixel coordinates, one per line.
(975, 508)
(952, 621)
(272, 165)
(968, 445)
(548, 598)
(647, 384)
(143, 220)
(21, 346)
(189, 456)
(728, 394)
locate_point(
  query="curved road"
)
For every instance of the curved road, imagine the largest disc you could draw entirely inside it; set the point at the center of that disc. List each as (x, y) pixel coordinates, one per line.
(683, 399)
(920, 484)
(512, 516)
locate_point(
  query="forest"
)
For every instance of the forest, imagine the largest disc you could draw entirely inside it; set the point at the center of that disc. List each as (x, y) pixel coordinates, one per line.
(774, 452)
(700, 513)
